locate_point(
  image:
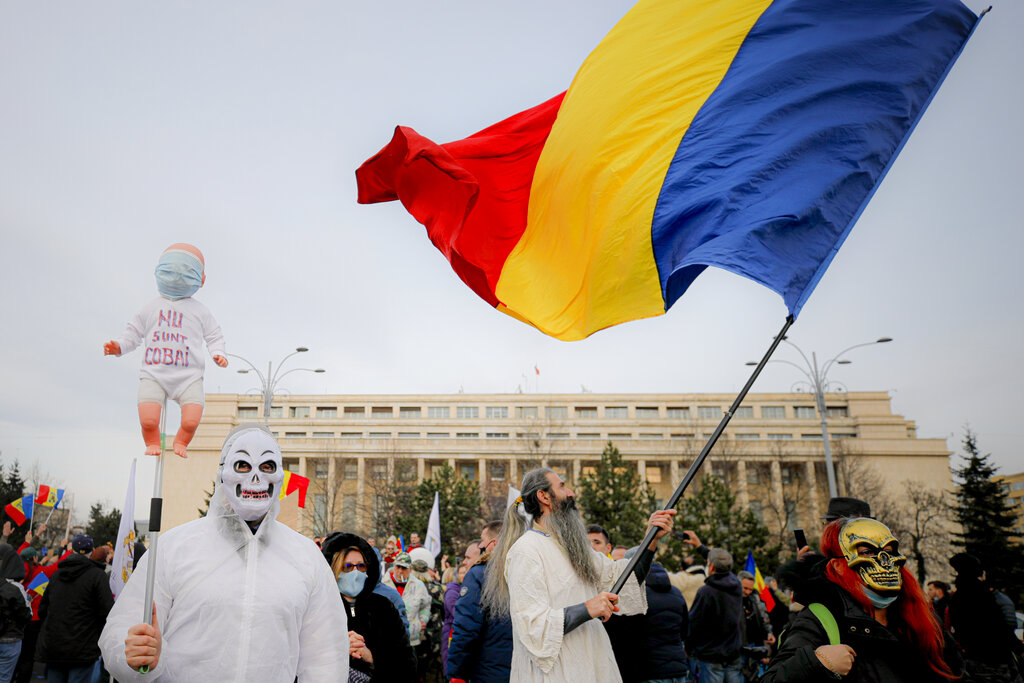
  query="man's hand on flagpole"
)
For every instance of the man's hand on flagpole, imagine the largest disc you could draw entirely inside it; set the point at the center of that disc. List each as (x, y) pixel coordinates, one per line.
(142, 646)
(602, 606)
(662, 519)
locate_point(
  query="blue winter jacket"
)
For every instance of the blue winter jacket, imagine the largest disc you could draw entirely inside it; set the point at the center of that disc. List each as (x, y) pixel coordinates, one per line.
(481, 649)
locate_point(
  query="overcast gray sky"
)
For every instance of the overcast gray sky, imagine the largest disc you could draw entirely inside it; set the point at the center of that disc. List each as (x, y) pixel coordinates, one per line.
(237, 126)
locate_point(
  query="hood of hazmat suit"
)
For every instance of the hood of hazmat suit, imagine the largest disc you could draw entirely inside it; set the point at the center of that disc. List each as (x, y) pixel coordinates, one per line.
(233, 604)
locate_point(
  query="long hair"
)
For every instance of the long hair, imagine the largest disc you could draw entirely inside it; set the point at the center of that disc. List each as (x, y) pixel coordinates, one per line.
(518, 519)
(910, 615)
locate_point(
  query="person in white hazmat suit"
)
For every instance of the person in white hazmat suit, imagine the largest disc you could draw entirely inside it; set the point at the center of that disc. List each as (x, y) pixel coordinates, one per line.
(553, 586)
(238, 596)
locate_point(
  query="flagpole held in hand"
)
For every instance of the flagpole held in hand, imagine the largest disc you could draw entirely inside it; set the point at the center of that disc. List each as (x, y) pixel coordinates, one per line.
(695, 466)
(155, 508)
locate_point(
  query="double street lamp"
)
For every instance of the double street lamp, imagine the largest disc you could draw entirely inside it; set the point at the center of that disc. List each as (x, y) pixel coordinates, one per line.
(270, 381)
(817, 383)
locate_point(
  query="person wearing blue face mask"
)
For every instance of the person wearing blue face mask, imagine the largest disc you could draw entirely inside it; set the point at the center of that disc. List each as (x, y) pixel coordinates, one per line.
(379, 648)
(172, 328)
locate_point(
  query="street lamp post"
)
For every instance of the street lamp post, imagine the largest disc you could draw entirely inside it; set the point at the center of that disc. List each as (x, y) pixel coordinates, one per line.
(270, 381)
(819, 384)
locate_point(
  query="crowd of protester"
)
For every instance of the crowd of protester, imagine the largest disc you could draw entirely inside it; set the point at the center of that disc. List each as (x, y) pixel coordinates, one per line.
(414, 617)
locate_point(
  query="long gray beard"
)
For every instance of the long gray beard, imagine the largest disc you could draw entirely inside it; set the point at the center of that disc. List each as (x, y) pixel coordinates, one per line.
(567, 528)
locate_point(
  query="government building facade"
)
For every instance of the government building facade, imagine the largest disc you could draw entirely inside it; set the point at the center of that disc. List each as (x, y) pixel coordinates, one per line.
(356, 448)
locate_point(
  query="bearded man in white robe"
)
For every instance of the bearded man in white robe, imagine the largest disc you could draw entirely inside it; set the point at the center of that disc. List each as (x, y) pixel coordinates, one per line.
(554, 586)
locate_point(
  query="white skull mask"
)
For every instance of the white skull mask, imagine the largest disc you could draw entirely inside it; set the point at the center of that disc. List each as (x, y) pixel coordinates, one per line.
(251, 473)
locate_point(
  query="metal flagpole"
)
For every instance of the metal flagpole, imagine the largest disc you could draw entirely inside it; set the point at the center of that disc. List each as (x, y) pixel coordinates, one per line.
(695, 466)
(155, 508)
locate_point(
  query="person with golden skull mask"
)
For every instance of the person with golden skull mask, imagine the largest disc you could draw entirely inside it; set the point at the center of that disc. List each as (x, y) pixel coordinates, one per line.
(867, 618)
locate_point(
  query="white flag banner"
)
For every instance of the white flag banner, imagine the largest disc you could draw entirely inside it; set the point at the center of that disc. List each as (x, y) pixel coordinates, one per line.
(434, 528)
(513, 493)
(124, 549)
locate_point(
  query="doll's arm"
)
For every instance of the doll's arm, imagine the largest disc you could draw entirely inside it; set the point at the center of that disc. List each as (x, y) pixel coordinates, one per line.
(214, 339)
(132, 337)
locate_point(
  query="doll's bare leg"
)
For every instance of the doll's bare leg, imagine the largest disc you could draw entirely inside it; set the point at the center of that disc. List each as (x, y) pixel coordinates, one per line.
(190, 416)
(149, 420)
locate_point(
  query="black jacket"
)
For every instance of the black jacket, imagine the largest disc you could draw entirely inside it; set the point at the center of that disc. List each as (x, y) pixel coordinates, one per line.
(716, 620)
(977, 624)
(73, 611)
(650, 646)
(375, 618)
(881, 655)
(15, 612)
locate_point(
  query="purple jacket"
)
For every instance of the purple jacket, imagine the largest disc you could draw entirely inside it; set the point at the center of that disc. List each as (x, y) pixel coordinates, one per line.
(451, 595)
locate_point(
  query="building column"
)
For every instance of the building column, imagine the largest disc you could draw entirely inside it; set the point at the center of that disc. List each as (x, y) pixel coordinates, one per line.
(301, 520)
(361, 505)
(577, 465)
(641, 470)
(812, 480)
(421, 469)
(741, 480)
(513, 475)
(451, 463)
(777, 499)
(481, 476)
(673, 471)
(331, 490)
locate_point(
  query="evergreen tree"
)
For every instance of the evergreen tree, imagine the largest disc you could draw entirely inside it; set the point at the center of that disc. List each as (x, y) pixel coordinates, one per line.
(987, 519)
(614, 497)
(714, 515)
(206, 501)
(12, 487)
(459, 502)
(103, 526)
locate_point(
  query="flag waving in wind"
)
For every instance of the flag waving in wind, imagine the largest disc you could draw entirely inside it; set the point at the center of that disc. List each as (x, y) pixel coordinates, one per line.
(49, 497)
(19, 510)
(748, 135)
(433, 543)
(759, 585)
(294, 482)
(124, 552)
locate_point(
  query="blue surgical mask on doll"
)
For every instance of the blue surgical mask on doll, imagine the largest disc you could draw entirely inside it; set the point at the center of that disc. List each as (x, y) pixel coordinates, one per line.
(351, 583)
(179, 274)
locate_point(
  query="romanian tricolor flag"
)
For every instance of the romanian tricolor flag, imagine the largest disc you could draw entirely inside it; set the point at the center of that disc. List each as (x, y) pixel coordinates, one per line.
(759, 584)
(748, 135)
(39, 583)
(19, 510)
(49, 497)
(294, 482)
(401, 544)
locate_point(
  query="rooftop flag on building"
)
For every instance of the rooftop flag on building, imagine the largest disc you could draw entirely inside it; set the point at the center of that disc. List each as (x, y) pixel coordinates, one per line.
(19, 510)
(294, 482)
(49, 497)
(759, 585)
(39, 583)
(742, 134)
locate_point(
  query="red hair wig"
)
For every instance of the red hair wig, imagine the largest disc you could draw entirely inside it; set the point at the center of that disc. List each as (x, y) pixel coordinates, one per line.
(910, 615)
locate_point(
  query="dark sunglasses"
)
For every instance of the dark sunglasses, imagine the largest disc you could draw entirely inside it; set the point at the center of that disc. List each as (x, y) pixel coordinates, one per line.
(348, 566)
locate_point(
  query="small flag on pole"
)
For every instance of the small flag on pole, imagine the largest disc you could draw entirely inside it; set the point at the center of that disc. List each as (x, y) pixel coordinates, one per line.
(401, 544)
(124, 552)
(434, 528)
(513, 493)
(759, 584)
(294, 482)
(49, 497)
(39, 583)
(19, 510)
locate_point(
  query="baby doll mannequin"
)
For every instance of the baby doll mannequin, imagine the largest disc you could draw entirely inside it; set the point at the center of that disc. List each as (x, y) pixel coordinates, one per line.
(171, 326)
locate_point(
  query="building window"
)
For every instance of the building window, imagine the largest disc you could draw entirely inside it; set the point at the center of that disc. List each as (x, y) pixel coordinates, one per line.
(380, 470)
(276, 411)
(773, 412)
(586, 413)
(382, 412)
(497, 412)
(467, 435)
(804, 412)
(557, 412)
(410, 412)
(620, 435)
(558, 435)
(497, 473)
(354, 412)
(757, 507)
(753, 474)
(438, 435)
(527, 435)
(588, 471)
(780, 437)
(408, 435)
(1017, 486)
(744, 413)
(248, 411)
(295, 435)
(792, 518)
(320, 513)
(467, 412)
(681, 436)
(326, 412)
(301, 412)
(747, 437)
(497, 435)
(323, 435)
(351, 470)
(380, 435)
(646, 413)
(790, 473)
(468, 472)
(351, 435)
(677, 413)
(709, 412)
(616, 412)
(348, 510)
(844, 435)
(651, 435)
(526, 412)
(811, 437)
(589, 435)
(320, 469)
(837, 411)
(439, 412)
(654, 475)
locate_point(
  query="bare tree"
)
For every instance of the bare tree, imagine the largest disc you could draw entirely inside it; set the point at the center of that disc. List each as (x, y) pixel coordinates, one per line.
(391, 485)
(921, 519)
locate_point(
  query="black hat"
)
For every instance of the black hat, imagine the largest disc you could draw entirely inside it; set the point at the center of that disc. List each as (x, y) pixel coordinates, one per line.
(838, 508)
(82, 544)
(966, 565)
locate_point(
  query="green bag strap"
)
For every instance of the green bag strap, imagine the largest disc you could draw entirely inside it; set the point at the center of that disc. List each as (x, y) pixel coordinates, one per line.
(828, 622)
